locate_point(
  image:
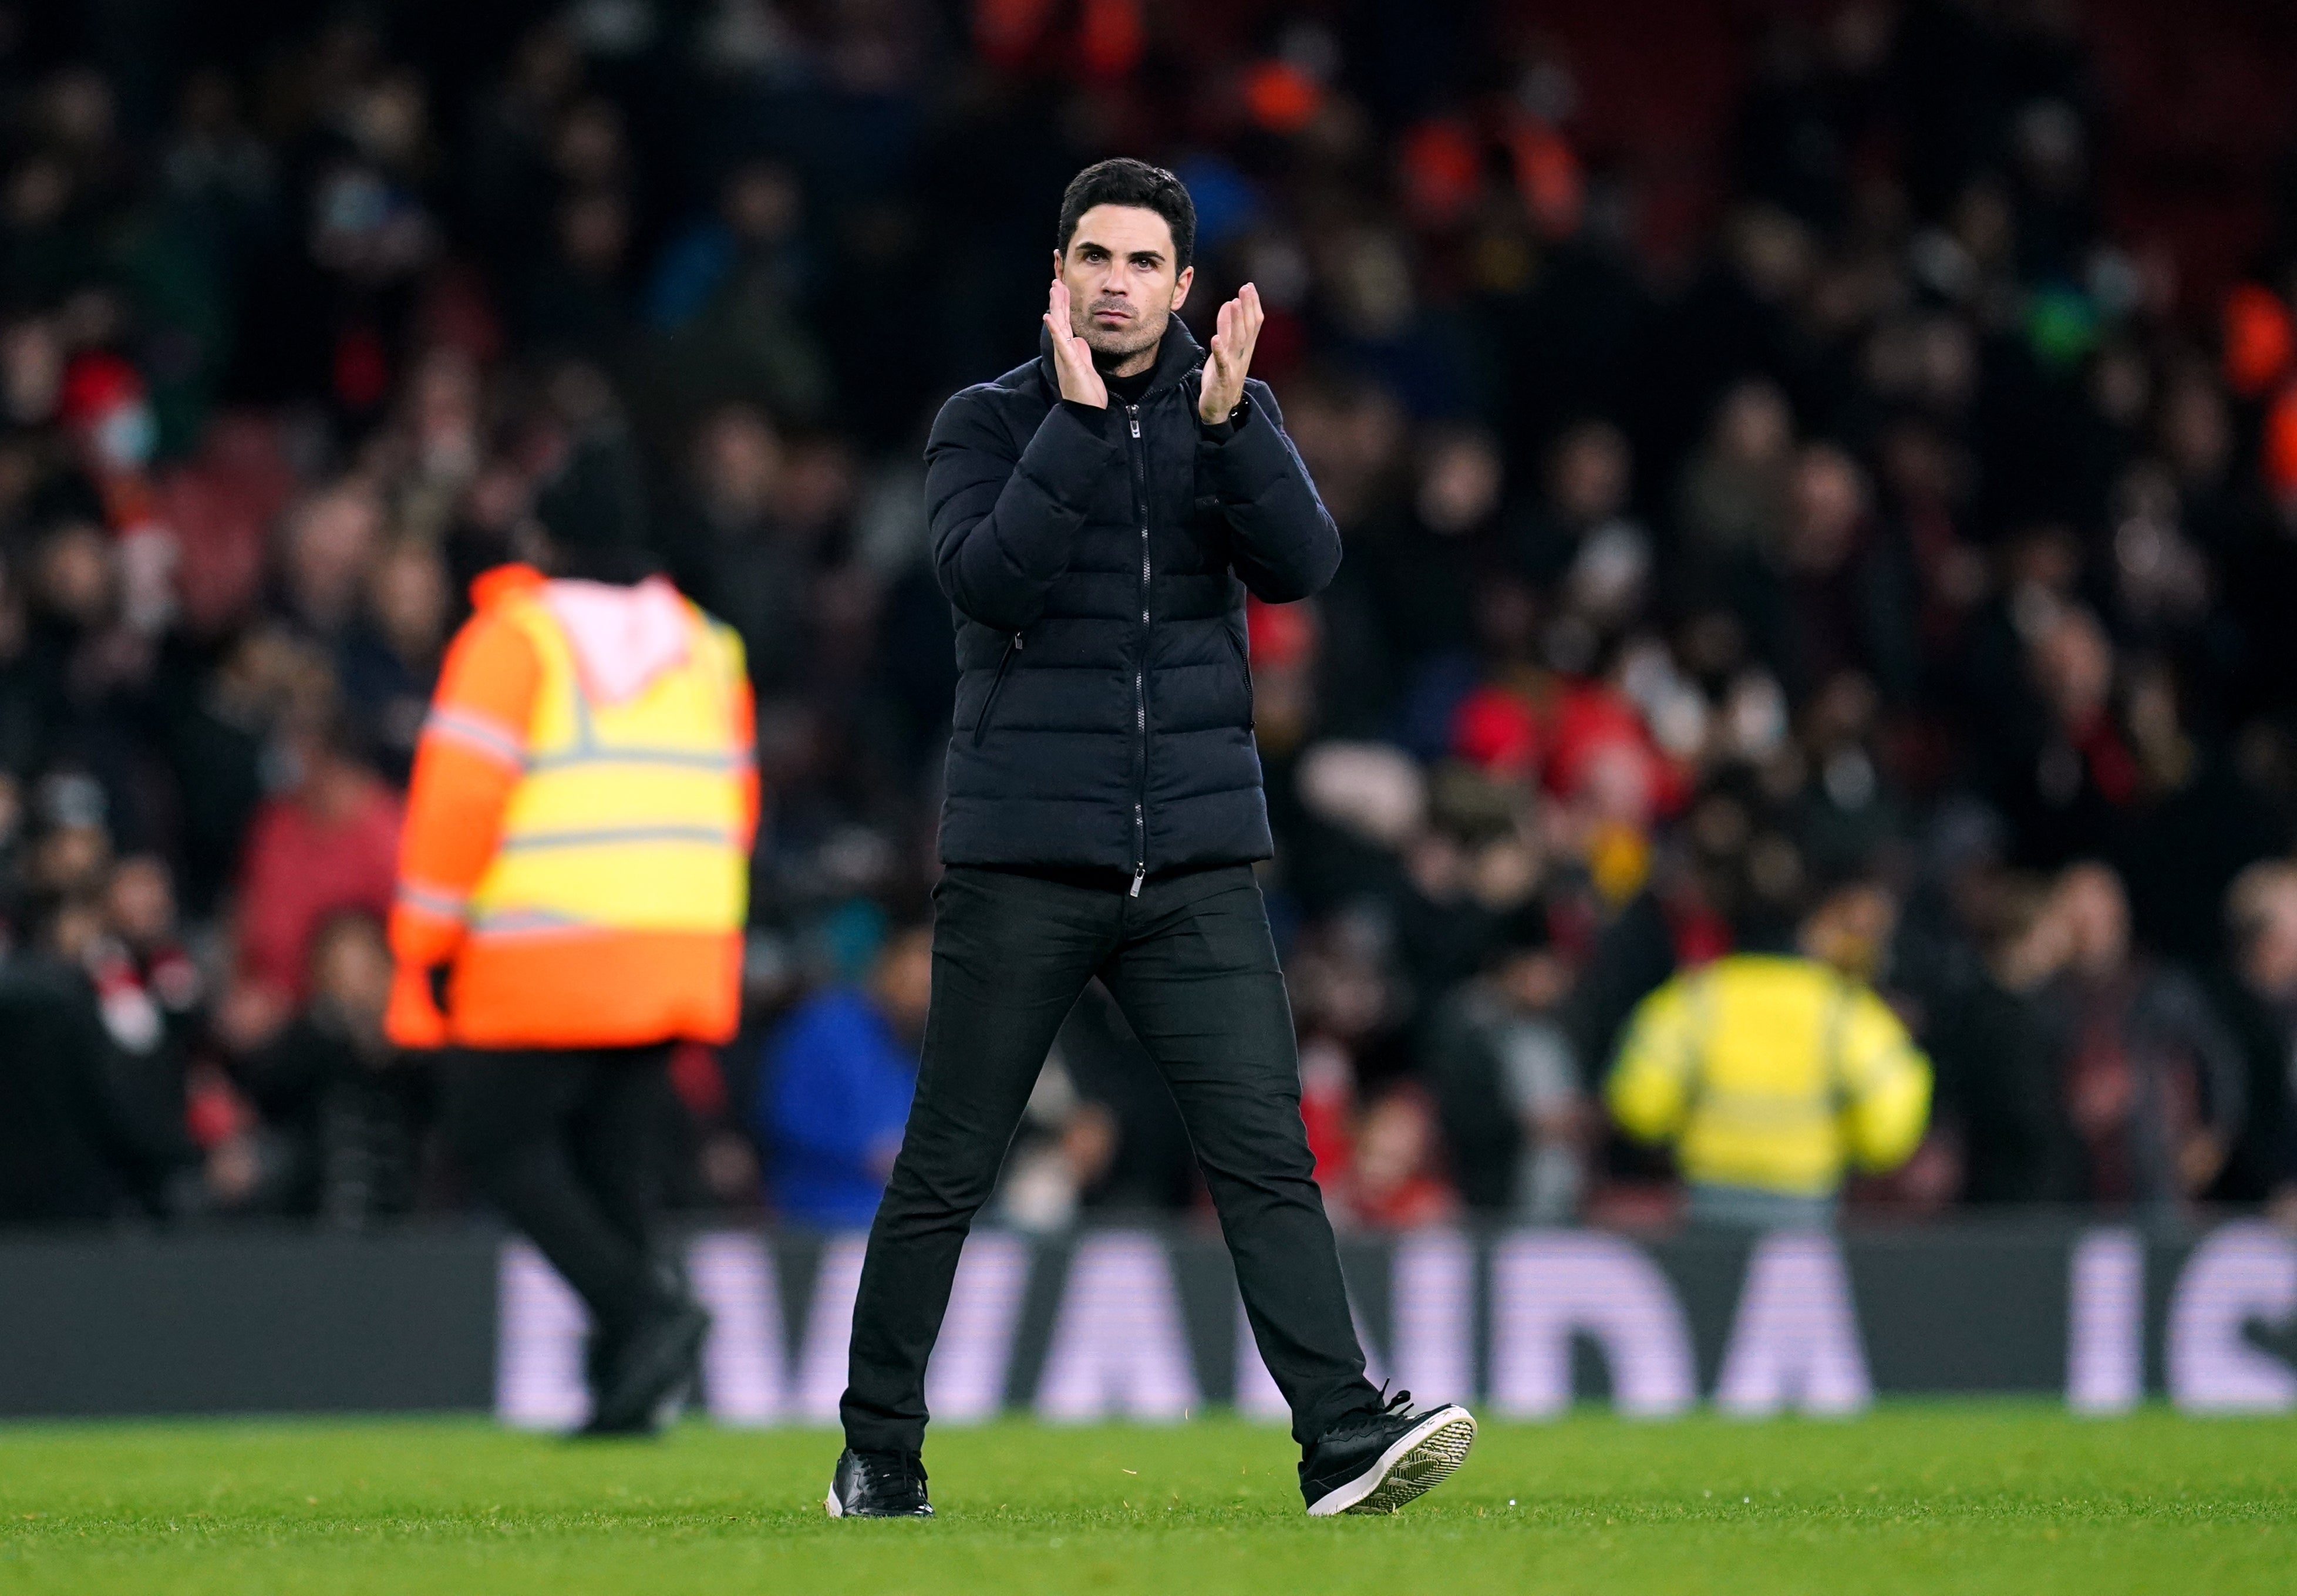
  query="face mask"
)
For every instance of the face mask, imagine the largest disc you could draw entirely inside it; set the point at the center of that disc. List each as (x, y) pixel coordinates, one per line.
(125, 437)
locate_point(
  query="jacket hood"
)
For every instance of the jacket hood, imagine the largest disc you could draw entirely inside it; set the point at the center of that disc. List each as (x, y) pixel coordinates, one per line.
(622, 639)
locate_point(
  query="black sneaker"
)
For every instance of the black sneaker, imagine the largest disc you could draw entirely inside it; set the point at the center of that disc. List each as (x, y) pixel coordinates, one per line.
(641, 1376)
(879, 1485)
(1375, 1462)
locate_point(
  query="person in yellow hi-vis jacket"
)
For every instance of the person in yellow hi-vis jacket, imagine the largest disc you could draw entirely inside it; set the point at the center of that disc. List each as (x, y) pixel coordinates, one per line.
(1773, 1074)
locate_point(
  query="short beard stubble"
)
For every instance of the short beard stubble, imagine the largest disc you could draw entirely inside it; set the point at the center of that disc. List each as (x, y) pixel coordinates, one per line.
(1108, 355)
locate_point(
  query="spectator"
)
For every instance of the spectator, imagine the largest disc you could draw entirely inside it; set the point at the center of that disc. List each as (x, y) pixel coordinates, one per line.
(1771, 1073)
(327, 555)
(1734, 493)
(1393, 1183)
(347, 1123)
(1507, 1084)
(2152, 1088)
(329, 844)
(1347, 1008)
(2256, 991)
(1826, 598)
(727, 551)
(70, 855)
(2197, 822)
(840, 1073)
(1996, 1083)
(107, 410)
(1427, 569)
(388, 663)
(2067, 777)
(574, 304)
(219, 746)
(70, 1149)
(727, 304)
(1588, 478)
(153, 998)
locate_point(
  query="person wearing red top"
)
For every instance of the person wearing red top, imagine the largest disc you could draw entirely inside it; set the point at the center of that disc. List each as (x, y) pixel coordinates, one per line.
(329, 844)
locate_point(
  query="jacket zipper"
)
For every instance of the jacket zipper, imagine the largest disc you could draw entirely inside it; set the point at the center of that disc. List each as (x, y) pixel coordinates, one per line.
(995, 687)
(1140, 673)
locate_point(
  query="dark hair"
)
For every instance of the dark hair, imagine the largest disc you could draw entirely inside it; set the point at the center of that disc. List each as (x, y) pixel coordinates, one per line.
(1124, 181)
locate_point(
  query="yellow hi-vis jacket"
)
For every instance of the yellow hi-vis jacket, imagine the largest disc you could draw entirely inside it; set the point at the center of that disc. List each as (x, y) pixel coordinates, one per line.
(577, 862)
(1772, 1074)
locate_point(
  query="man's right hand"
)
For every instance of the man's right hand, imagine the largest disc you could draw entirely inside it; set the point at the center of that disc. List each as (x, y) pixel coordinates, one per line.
(1071, 358)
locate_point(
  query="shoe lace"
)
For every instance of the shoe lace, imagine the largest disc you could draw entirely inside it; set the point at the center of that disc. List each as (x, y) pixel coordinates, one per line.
(1390, 1407)
(906, 1470)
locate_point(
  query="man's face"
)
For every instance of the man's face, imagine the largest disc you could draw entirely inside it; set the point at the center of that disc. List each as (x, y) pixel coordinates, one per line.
(1123, 283)
(2096, 910)
(1852, 930)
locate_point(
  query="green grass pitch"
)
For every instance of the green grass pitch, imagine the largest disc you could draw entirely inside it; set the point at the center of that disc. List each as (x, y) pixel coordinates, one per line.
(1946, 1498)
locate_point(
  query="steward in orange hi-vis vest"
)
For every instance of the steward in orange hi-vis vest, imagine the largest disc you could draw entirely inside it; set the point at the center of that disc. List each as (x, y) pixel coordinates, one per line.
(575, 868)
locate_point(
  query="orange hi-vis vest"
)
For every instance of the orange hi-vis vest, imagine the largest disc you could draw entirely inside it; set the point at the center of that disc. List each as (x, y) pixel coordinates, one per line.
(576, 863)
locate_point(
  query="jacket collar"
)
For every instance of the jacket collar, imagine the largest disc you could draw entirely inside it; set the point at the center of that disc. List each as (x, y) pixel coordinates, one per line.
(1178, 354)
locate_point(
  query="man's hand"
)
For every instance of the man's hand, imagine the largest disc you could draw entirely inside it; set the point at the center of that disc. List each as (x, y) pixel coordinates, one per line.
(416, 1017)
(1237, 331)
(1072, 359)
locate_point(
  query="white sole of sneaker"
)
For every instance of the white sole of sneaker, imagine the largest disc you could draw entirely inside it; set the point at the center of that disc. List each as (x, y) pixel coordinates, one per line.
(829, 1503)
(1422, 1458)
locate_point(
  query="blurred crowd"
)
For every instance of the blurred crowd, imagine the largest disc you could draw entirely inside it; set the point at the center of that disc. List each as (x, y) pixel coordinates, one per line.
(1907, 533)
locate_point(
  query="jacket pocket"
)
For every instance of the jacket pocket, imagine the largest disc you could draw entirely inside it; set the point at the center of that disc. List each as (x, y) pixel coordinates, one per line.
(997, 686)
(1243, 663)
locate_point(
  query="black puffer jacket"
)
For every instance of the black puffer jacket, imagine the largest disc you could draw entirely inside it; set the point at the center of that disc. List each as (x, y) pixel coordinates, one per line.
(1097, 561)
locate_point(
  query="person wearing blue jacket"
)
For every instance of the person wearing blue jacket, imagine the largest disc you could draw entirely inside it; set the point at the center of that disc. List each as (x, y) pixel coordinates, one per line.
(840, 1073)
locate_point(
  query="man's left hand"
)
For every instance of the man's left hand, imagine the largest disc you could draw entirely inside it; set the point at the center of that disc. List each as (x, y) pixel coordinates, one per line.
(1238, 329)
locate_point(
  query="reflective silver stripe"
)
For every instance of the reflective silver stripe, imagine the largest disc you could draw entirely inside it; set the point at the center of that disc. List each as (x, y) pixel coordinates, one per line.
(608, 836)
(511, 921)
(1764, 1110)
(487, 737)
(676, 758)
(432, 901)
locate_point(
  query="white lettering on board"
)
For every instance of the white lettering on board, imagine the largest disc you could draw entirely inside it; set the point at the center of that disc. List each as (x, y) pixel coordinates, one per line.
(1550, 1286)
(2105, 1329)
(2241, 1274)
(1117, 1347)
(1794, 1341)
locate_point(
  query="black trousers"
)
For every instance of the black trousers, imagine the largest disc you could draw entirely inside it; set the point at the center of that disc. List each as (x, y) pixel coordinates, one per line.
(562, 1142)
(1192, 963)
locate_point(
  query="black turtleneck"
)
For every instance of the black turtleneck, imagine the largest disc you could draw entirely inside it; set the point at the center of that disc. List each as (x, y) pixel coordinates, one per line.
(1129, 391)
(1133, 389)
